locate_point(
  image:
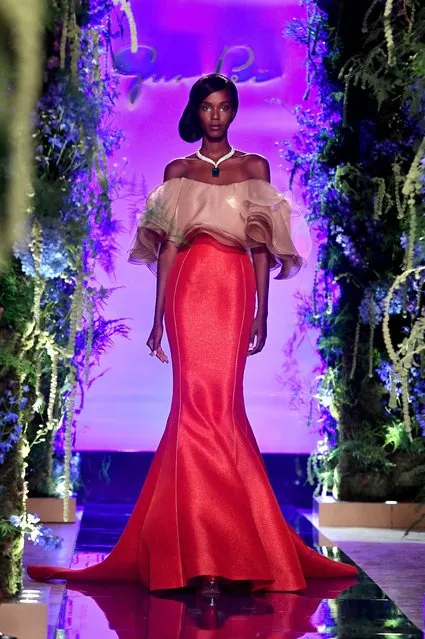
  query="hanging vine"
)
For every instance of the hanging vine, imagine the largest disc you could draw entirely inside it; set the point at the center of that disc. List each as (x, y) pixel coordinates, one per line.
(366, 201)
(23, 23)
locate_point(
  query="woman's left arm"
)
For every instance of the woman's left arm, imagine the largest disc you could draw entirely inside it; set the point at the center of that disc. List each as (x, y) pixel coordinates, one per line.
(260, 169)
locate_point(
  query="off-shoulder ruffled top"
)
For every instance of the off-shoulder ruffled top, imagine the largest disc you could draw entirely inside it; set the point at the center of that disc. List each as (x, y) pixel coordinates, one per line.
(246, 214)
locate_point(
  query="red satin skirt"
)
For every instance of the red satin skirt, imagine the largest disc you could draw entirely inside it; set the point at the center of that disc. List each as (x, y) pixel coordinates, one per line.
(207, 507)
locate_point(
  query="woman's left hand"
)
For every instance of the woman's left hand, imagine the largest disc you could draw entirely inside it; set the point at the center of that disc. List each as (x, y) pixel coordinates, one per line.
(258, 330)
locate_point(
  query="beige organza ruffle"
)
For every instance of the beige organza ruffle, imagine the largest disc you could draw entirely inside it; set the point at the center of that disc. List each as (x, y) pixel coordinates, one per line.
(267, 217)
(247, 214)
(157, 222)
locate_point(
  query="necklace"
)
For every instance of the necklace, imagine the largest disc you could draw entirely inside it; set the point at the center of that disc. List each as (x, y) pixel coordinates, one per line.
(215, 169)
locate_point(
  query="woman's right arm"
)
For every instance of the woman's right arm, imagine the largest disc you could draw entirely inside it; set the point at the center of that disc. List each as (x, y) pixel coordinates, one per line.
(167, 254)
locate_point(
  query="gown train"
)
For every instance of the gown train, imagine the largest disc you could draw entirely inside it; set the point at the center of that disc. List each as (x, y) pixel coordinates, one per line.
(207, 506)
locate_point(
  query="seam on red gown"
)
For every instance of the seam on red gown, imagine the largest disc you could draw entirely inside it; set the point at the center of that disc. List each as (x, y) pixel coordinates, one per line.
(237, 357)
(183, 579)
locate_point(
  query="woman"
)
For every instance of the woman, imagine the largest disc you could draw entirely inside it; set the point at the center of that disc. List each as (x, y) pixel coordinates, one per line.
(211, 233)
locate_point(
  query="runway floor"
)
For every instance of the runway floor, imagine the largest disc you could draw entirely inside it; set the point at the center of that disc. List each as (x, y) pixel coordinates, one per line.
(327, 609)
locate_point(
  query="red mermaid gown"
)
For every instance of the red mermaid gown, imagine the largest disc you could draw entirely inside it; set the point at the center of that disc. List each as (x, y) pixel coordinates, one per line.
(207, 507)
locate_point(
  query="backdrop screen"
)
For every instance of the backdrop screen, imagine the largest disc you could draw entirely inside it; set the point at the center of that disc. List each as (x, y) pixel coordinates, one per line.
(178, 40)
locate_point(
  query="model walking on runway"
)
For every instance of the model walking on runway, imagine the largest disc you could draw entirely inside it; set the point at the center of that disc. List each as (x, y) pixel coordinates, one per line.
(211, 232)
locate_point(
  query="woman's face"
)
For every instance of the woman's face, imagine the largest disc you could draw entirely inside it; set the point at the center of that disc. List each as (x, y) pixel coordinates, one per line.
(216, 113)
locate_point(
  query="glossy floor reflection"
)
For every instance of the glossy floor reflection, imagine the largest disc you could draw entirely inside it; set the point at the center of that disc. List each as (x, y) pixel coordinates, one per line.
(127, 611)
(326, 609)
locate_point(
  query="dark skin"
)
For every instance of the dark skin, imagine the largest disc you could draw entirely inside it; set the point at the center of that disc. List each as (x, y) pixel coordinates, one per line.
(216, 114)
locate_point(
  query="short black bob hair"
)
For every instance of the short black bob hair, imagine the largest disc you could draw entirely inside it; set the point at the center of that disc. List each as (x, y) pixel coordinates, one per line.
(189, 125)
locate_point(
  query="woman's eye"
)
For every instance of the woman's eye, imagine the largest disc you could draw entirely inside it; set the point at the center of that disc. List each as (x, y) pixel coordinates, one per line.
(207, 107)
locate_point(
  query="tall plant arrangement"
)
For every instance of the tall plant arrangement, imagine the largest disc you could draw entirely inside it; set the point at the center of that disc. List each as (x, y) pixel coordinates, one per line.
(359, 157)
(52, 329)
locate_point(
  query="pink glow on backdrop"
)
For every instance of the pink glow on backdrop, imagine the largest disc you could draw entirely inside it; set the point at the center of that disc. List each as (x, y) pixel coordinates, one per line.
(127, 408)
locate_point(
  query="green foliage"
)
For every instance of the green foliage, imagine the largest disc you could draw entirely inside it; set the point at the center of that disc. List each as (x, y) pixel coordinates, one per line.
(11, 538)
(51, 326)
(396, 438)
(16, 297)
(361, 161)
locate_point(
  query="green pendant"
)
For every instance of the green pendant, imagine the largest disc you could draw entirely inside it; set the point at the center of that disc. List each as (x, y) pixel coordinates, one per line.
(215, 171)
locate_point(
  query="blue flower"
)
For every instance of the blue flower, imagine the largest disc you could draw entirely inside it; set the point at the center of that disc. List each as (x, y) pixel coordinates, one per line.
(15, 520)
(385, 372)
(54, 256)
(9, 418)
(379, 294)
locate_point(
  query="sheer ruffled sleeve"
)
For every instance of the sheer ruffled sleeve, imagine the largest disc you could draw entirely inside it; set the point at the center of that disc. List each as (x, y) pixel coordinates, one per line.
(157, 222)
(267, 216)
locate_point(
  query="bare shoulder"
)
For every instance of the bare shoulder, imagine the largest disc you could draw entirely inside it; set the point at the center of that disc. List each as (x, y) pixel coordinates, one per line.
(257, 166)
(175, 169)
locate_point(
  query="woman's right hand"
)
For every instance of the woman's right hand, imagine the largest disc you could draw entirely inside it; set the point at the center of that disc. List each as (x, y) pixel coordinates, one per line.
(154, 342)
